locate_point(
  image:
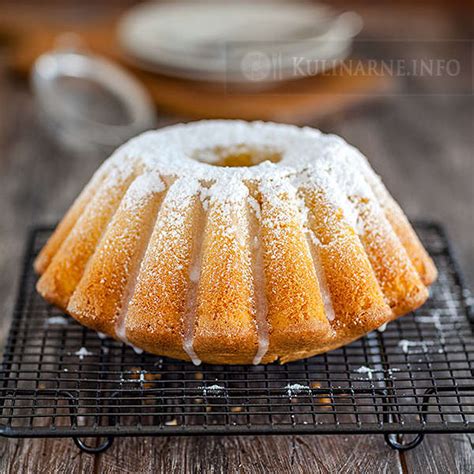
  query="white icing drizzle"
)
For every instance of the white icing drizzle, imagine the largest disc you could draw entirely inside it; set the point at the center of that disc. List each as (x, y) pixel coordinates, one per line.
(178, 201)
(136, 349)
(383, 327)
(321, 276)
(140, 190)
(188, 345)
(314, 248)
(255, 206)
(120, 328)
(261, 306)
(189, 318)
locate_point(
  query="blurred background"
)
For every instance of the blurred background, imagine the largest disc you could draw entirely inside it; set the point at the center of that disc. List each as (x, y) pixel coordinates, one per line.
(78, 78)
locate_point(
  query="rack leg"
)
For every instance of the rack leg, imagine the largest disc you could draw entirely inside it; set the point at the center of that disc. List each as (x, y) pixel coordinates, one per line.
(394, 443)
(102, 447)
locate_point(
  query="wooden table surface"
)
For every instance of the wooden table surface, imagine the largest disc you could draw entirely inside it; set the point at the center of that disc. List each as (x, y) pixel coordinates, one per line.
(423, 146)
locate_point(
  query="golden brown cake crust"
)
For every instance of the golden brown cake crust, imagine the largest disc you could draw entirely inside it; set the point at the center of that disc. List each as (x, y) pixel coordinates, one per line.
(235, 265)
(100, 296)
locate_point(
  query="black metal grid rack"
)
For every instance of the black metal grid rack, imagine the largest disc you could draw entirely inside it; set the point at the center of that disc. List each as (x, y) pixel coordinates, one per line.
(59, 379)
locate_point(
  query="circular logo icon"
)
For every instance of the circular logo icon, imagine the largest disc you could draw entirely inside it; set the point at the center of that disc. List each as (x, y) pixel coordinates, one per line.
(256, 66)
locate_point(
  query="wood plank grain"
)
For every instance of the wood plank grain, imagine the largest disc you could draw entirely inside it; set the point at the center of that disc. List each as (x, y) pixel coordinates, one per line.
(252, 454)
(442, 453)
(46, 456)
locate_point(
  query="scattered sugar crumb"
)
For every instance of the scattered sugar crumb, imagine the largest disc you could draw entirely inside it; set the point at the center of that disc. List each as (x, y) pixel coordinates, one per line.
(405, 345)
(366, 370)
(59, 320)
(296, 389)
(434, 318)
(212, 390)
(83, 352)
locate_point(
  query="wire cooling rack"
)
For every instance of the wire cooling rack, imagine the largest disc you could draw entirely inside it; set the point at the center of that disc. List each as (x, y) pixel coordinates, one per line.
(59, 379)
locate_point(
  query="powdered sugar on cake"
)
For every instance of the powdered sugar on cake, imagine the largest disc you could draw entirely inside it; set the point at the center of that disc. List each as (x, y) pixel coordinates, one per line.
(309, 160)
(230, 232)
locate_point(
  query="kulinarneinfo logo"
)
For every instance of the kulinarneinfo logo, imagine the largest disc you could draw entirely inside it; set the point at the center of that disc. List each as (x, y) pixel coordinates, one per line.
(414, 67)
(257, 66)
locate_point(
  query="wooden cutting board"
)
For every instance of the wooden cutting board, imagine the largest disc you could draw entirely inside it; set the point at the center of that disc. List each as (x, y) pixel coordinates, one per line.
(28, 35)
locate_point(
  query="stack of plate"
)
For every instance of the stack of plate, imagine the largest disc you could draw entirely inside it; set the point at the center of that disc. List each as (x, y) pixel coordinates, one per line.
(240, 42)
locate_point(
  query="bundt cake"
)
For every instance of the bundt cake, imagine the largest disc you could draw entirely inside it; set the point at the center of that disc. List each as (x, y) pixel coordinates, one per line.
(230, 242)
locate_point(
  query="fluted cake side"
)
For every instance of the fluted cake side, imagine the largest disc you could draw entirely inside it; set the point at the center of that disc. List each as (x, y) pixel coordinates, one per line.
(233, 242)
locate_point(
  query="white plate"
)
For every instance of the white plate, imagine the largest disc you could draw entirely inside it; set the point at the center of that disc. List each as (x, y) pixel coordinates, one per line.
(215, 40)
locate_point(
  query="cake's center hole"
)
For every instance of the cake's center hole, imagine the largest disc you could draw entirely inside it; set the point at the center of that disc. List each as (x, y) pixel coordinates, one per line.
(238, 155)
